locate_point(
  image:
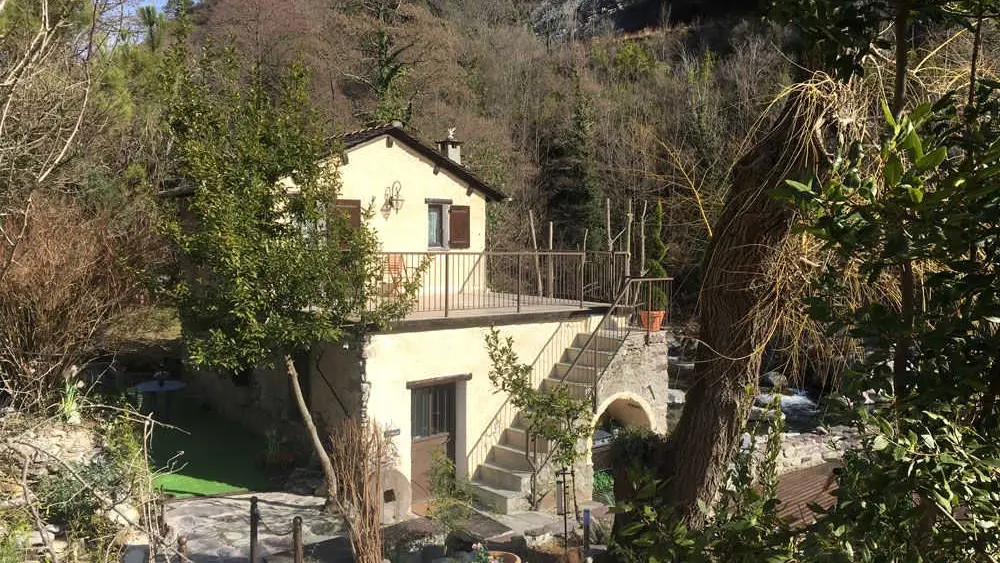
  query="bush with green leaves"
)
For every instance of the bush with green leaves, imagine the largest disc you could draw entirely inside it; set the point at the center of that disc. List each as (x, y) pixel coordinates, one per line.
(925, 485)
(111, 479)
(604, 487)
(743, 525)
(14, 531)
(451, 498)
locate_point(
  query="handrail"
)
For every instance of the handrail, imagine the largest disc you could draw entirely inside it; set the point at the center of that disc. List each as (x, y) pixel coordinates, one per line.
(593, 334)
(610, 312)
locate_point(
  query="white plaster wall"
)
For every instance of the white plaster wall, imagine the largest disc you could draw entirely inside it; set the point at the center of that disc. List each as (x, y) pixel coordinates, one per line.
(374, 166)
(392, 360)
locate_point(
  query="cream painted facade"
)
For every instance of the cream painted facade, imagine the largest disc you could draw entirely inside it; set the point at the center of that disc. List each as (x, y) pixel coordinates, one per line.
(375, 166)
(393, 360)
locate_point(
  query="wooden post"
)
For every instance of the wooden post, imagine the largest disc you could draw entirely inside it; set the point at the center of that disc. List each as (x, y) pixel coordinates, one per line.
(254, 523)
(583, 264)
(642, 240)
(297, 539)
(628, 250)
(551, 265)
(607, 224)
(534, 245)
(628, 241)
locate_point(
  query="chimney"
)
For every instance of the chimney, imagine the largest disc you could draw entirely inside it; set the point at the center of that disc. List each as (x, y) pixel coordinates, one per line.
(451, 147)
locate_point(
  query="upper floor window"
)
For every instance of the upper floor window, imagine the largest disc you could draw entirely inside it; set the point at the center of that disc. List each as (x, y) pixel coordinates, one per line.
(435, 225)
(447, 224)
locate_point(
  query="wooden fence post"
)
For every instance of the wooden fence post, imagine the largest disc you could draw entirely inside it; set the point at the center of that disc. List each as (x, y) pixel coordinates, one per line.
(254, 523)
(297, 539)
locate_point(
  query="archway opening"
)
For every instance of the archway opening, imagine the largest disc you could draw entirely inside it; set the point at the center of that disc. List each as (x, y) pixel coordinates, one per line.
(617, 412)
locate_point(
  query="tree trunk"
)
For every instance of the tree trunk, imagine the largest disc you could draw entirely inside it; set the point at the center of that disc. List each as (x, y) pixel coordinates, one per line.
(736, 319)
(318, 449)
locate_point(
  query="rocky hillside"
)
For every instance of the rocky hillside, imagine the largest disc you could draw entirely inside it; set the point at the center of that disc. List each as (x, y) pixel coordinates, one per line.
(583, 18)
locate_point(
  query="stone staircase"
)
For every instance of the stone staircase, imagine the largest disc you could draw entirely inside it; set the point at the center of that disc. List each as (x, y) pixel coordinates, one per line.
(502, 483)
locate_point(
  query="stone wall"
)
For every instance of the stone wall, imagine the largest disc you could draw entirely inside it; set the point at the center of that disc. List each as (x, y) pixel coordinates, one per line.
(639, 373)
(801, 450)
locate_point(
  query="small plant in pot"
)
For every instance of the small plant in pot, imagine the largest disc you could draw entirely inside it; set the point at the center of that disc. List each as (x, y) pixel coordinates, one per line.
(653, 307)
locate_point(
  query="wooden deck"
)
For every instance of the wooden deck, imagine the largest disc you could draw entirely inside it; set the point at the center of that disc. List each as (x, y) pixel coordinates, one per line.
(798, 489)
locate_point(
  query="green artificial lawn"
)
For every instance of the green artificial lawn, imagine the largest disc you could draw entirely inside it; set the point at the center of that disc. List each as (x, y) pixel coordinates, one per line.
(215, 456)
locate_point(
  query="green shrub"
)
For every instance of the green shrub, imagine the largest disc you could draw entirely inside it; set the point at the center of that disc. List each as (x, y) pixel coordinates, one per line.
(14, 530)
(113, 474)
(604, 487)
(451, 502)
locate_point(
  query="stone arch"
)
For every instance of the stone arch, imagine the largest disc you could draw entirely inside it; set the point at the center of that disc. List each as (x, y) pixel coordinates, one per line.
(629, 409)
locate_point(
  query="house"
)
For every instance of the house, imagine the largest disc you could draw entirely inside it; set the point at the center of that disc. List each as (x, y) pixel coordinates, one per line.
(425, 380)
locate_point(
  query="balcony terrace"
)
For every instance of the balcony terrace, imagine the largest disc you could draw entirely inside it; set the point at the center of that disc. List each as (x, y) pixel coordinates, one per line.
(474, 284)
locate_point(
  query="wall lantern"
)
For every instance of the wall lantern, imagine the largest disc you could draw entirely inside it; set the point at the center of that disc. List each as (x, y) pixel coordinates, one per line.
(392, 198)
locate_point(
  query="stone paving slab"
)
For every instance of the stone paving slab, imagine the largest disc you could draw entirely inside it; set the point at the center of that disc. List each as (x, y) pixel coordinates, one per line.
(217, 529)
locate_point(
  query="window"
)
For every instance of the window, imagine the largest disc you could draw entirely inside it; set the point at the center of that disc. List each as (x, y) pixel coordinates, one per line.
(435, 225)
(432, 410)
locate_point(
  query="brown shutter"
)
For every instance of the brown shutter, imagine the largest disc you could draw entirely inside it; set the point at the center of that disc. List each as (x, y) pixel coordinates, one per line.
(458, 227)
(352, 209)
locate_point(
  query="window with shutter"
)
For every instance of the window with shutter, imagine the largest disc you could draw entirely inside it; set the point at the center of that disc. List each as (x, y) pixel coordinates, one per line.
(458, 227)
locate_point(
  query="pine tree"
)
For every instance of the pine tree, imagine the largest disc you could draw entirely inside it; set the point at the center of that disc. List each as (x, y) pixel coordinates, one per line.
(569, 180)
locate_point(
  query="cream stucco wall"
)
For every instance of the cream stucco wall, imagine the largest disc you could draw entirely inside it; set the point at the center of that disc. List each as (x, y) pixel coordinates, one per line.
(374, 166)
(393, 360)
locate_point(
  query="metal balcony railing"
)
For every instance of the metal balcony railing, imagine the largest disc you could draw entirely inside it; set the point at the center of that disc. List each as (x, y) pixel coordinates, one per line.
(452, 281)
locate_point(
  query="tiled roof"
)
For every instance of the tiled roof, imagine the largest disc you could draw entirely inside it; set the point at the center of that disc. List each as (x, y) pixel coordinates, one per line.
(361, 136)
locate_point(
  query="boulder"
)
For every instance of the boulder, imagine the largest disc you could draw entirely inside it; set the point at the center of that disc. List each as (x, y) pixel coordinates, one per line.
(123, 515)
(36, 538)
(675, 397)
(774, 379)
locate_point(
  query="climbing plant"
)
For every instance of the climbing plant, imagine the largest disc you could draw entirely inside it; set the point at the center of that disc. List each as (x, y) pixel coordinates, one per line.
(552, 415)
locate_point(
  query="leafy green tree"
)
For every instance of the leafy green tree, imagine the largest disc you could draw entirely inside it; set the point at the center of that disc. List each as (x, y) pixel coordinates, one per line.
(741, 303)
(270, 273)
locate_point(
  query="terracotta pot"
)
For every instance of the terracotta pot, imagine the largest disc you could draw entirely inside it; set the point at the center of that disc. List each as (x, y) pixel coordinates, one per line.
(505, 557)
(652, 320)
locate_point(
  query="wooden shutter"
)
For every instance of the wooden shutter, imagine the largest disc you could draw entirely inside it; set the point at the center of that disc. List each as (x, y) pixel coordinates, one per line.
(458, 227)
(352, 209)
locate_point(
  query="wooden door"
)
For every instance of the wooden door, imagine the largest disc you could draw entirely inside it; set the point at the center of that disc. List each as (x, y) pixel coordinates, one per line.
(432, 423)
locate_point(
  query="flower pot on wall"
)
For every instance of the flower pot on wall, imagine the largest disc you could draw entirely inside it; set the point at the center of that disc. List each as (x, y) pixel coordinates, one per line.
(652, 320)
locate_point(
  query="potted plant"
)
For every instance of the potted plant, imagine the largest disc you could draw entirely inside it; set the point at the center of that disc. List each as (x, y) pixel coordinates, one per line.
(482, 555)
(653, 307)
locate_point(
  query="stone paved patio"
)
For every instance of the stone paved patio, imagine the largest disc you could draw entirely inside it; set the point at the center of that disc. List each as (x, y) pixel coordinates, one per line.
(218, 528)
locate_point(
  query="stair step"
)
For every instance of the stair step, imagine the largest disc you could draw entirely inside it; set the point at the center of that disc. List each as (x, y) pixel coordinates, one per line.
(510, 457)
(503, 478)
(579, 374)
(500, 501)
(576, 390)
(605, 341)
(516, 438)
(592, 357)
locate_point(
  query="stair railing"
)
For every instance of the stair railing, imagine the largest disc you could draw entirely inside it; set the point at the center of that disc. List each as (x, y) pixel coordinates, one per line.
(620, 320)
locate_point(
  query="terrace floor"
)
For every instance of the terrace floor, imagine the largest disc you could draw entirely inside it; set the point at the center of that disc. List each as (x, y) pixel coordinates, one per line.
(432, 306)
